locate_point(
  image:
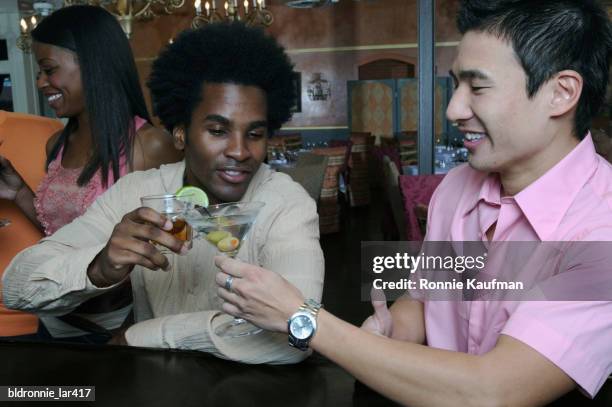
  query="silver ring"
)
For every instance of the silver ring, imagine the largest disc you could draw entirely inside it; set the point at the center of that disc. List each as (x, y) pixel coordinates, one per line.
(228, 283)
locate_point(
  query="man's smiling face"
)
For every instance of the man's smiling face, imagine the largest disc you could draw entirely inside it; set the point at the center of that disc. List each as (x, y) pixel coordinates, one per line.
(504, 129)
(226, 141)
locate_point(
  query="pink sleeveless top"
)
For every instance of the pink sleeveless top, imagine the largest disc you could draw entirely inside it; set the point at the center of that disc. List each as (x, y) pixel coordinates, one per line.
(59, 200)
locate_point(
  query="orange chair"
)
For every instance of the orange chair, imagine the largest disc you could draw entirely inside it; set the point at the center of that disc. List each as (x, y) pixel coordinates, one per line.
(23, 142)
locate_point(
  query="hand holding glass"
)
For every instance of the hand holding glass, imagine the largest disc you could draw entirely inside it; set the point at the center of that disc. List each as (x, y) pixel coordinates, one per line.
(226, 226)
(175, 209)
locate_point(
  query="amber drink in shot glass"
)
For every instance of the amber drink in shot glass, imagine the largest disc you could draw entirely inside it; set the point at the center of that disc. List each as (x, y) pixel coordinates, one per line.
(175, 209)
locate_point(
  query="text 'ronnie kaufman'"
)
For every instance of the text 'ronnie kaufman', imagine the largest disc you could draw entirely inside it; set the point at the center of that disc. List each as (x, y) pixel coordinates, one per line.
(424, 284)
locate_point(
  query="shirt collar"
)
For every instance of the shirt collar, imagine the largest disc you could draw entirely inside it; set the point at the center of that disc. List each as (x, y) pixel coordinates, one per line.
(262, 174)
(489, 193)
(547, 199)
(171, 176)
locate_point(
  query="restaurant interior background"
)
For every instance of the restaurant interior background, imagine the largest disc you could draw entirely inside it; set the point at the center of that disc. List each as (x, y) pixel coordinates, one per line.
(358, 70)
(360, 64)
(338, 42)
(336, 45)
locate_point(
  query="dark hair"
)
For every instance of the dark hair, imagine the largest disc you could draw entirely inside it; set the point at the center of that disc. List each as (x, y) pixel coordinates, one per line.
(220, 53)
(110, 82)
(549, 36)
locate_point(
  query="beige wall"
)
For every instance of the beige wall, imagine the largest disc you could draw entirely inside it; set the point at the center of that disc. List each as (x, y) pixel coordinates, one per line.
(314, 37)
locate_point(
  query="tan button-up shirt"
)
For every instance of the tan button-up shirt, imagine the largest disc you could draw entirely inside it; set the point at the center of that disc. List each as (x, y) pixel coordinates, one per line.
(178, 308)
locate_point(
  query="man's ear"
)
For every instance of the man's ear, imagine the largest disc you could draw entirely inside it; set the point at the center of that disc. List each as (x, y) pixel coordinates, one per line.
(566, 92)
(178, 136)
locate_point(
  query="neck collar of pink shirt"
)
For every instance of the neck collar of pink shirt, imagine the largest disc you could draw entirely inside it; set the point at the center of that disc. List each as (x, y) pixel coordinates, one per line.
(548, 198)
(489, 192)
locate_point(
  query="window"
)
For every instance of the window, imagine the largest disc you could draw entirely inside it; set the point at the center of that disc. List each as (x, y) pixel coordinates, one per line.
(6, 93)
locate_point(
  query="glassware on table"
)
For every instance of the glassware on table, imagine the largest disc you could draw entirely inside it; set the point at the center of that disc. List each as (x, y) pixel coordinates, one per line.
(291, 156)
(175, 209)
(226, 226)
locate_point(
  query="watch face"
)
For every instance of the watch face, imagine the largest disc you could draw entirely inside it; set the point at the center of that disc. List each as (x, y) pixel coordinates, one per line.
(301, 326)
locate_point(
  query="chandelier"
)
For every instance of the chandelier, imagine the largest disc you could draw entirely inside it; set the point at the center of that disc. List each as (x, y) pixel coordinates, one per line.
(126, 11)
(40, 10)
(252, 14)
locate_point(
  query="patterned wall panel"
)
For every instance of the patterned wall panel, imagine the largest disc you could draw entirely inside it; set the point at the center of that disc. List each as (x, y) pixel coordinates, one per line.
(409, 107)
(372, 108)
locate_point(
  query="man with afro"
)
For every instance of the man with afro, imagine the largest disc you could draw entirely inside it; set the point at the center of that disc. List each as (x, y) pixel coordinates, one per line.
(221, 91)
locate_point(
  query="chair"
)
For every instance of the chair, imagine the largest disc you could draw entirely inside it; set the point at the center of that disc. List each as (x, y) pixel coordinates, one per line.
(377, 166)
(394, 200)
(329, 209)
(417, 189)
(344, 171)
(420, 212)
(408, 148)
(24, 138)
(358, 185)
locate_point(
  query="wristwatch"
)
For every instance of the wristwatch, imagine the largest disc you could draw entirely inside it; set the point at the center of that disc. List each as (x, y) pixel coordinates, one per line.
(302, 325)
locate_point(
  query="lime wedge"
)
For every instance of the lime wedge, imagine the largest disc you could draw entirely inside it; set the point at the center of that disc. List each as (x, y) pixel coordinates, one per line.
(193, 194)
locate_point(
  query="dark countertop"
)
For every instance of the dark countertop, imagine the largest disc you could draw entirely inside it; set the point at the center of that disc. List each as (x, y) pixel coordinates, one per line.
(128, 376)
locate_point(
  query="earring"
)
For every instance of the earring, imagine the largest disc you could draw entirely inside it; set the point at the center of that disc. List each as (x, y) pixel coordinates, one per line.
(454, 124)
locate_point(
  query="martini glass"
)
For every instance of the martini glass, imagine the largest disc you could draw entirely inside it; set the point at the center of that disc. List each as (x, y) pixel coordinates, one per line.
(225, 226)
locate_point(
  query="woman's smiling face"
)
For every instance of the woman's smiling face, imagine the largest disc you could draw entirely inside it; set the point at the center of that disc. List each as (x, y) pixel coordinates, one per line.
(59, 79)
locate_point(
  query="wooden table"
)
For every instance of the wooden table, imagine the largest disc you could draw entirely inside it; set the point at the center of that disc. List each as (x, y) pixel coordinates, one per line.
(308, 171)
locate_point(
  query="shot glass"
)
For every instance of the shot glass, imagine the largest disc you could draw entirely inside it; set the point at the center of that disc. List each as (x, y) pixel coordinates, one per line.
(174, 209)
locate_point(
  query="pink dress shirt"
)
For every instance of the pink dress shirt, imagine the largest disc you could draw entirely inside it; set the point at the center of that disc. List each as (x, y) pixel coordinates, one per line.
(570, 202)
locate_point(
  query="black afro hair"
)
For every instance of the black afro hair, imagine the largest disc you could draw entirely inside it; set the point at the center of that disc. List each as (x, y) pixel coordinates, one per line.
(220, 53)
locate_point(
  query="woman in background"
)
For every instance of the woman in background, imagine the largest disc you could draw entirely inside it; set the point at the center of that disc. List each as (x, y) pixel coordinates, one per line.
(88, 75)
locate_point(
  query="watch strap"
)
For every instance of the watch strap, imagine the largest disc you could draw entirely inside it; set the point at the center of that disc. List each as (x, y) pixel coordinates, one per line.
(312, 308)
